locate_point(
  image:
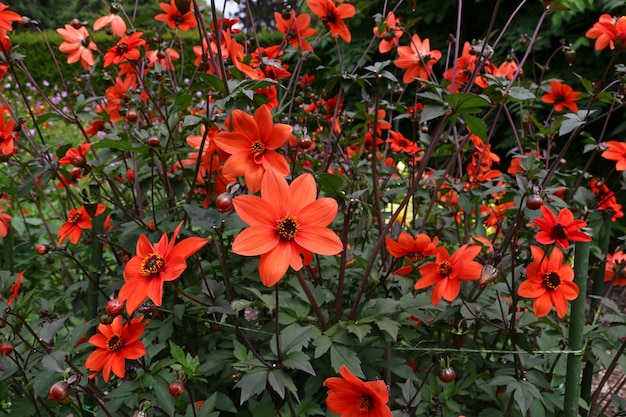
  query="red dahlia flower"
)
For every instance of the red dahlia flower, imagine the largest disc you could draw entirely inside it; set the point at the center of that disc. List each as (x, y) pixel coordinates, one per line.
(287, 223)
(447, 272)
(550, 283)
(333, 16)
(562, 96)
(351, 397)
(115, 343)
(561, 229)
(153, 265)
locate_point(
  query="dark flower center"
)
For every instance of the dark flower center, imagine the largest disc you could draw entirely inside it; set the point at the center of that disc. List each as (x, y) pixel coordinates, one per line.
(444, 268)
(414, 257)
(152, 265)
(85, 42)
(178, 20)
(330, 18)
(115, 343)
(365, 403)
(122, 48)
(287, 227)
(74, 218)
(552, 280)
(559, 232)
(559, 99)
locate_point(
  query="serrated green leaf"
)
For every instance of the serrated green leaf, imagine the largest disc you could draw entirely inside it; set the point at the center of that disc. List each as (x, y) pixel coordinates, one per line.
(521, 93)
(476, 125)
(432, 111)
(49, 329)
(322, 344)
(359, 330)
(252, 383)
(177, 353)
(388, 325)
(300, 361)
(341, 355)
(276, 379)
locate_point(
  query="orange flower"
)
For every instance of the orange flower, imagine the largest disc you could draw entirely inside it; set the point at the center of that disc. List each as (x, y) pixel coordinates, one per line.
(415, 248)
(145, 273)
(118, 26)
(398, 143)
(115, 343)
(295, 29)
(614, 268)
(389, 33)
(608, 31)
(77, 221)
(164, 57)
(447, 271)
(351, 397)
(252, 145)
(7, 134)
(5, 48)
(118, 96)
(562, 96)
(126, 49)
(417, 58)
(175, 19)
(286, 223)
(237, 56)
(550, 283)
(606, 198)
(78, 45)
(560, 230)
(496, 213)
(616, 151)
(15, 288)
(4, 223)
(76, 157)
(333, 16)
(7, 16)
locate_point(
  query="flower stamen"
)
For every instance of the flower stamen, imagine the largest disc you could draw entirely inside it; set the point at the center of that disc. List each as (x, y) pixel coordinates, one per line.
(287, 227)
(115, 343)
(444, 268)
(552, 280)
(152, 265)
(365, 403)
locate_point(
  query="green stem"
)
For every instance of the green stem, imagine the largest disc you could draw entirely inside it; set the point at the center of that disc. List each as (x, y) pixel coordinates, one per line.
(597, 289)
(576, 328)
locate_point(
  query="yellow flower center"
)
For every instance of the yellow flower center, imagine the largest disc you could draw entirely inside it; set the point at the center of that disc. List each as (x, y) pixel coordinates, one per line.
(365, 403)
(444, 268)
(287, 227)
(152, 265)
(257, 148)
(115, 343)
(552, 280)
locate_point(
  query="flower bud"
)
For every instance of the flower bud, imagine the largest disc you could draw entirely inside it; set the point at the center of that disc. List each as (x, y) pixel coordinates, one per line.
(488, 274)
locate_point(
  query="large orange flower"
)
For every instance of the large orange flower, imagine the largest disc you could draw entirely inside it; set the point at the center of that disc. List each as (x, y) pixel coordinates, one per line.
(608, 31)
(414, 248)
(550, 282)
(560, 230)
(7, 16)
(417, 58)
(616, 151)
(115, 343)
(333, 16)
(118, 26)
(126, 49)
(77, 221)
(286, 223)
(252, 145)
(7, 133)
(447, 272)
(78, 45)
(614, 268)
(389, 32)
(562, 96)
(175, 19)
(295, 29)
(4, 223)
(145, 273)
(351, 397)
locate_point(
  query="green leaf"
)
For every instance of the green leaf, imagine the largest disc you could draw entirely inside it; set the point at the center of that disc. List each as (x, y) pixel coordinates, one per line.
(252, 383)
(341, 355)
(294, 339)
(388, 325)
(162, 392)
(521, 93)
(359, 330)
(300, 361)
(476, 125)
(277, 380)
(177, 352)
(322, 344)
(49, 329)
(432, 111)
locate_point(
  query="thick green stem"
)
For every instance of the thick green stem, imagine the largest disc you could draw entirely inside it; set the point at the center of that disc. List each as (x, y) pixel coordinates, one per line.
(597, 290)
(576, 328)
